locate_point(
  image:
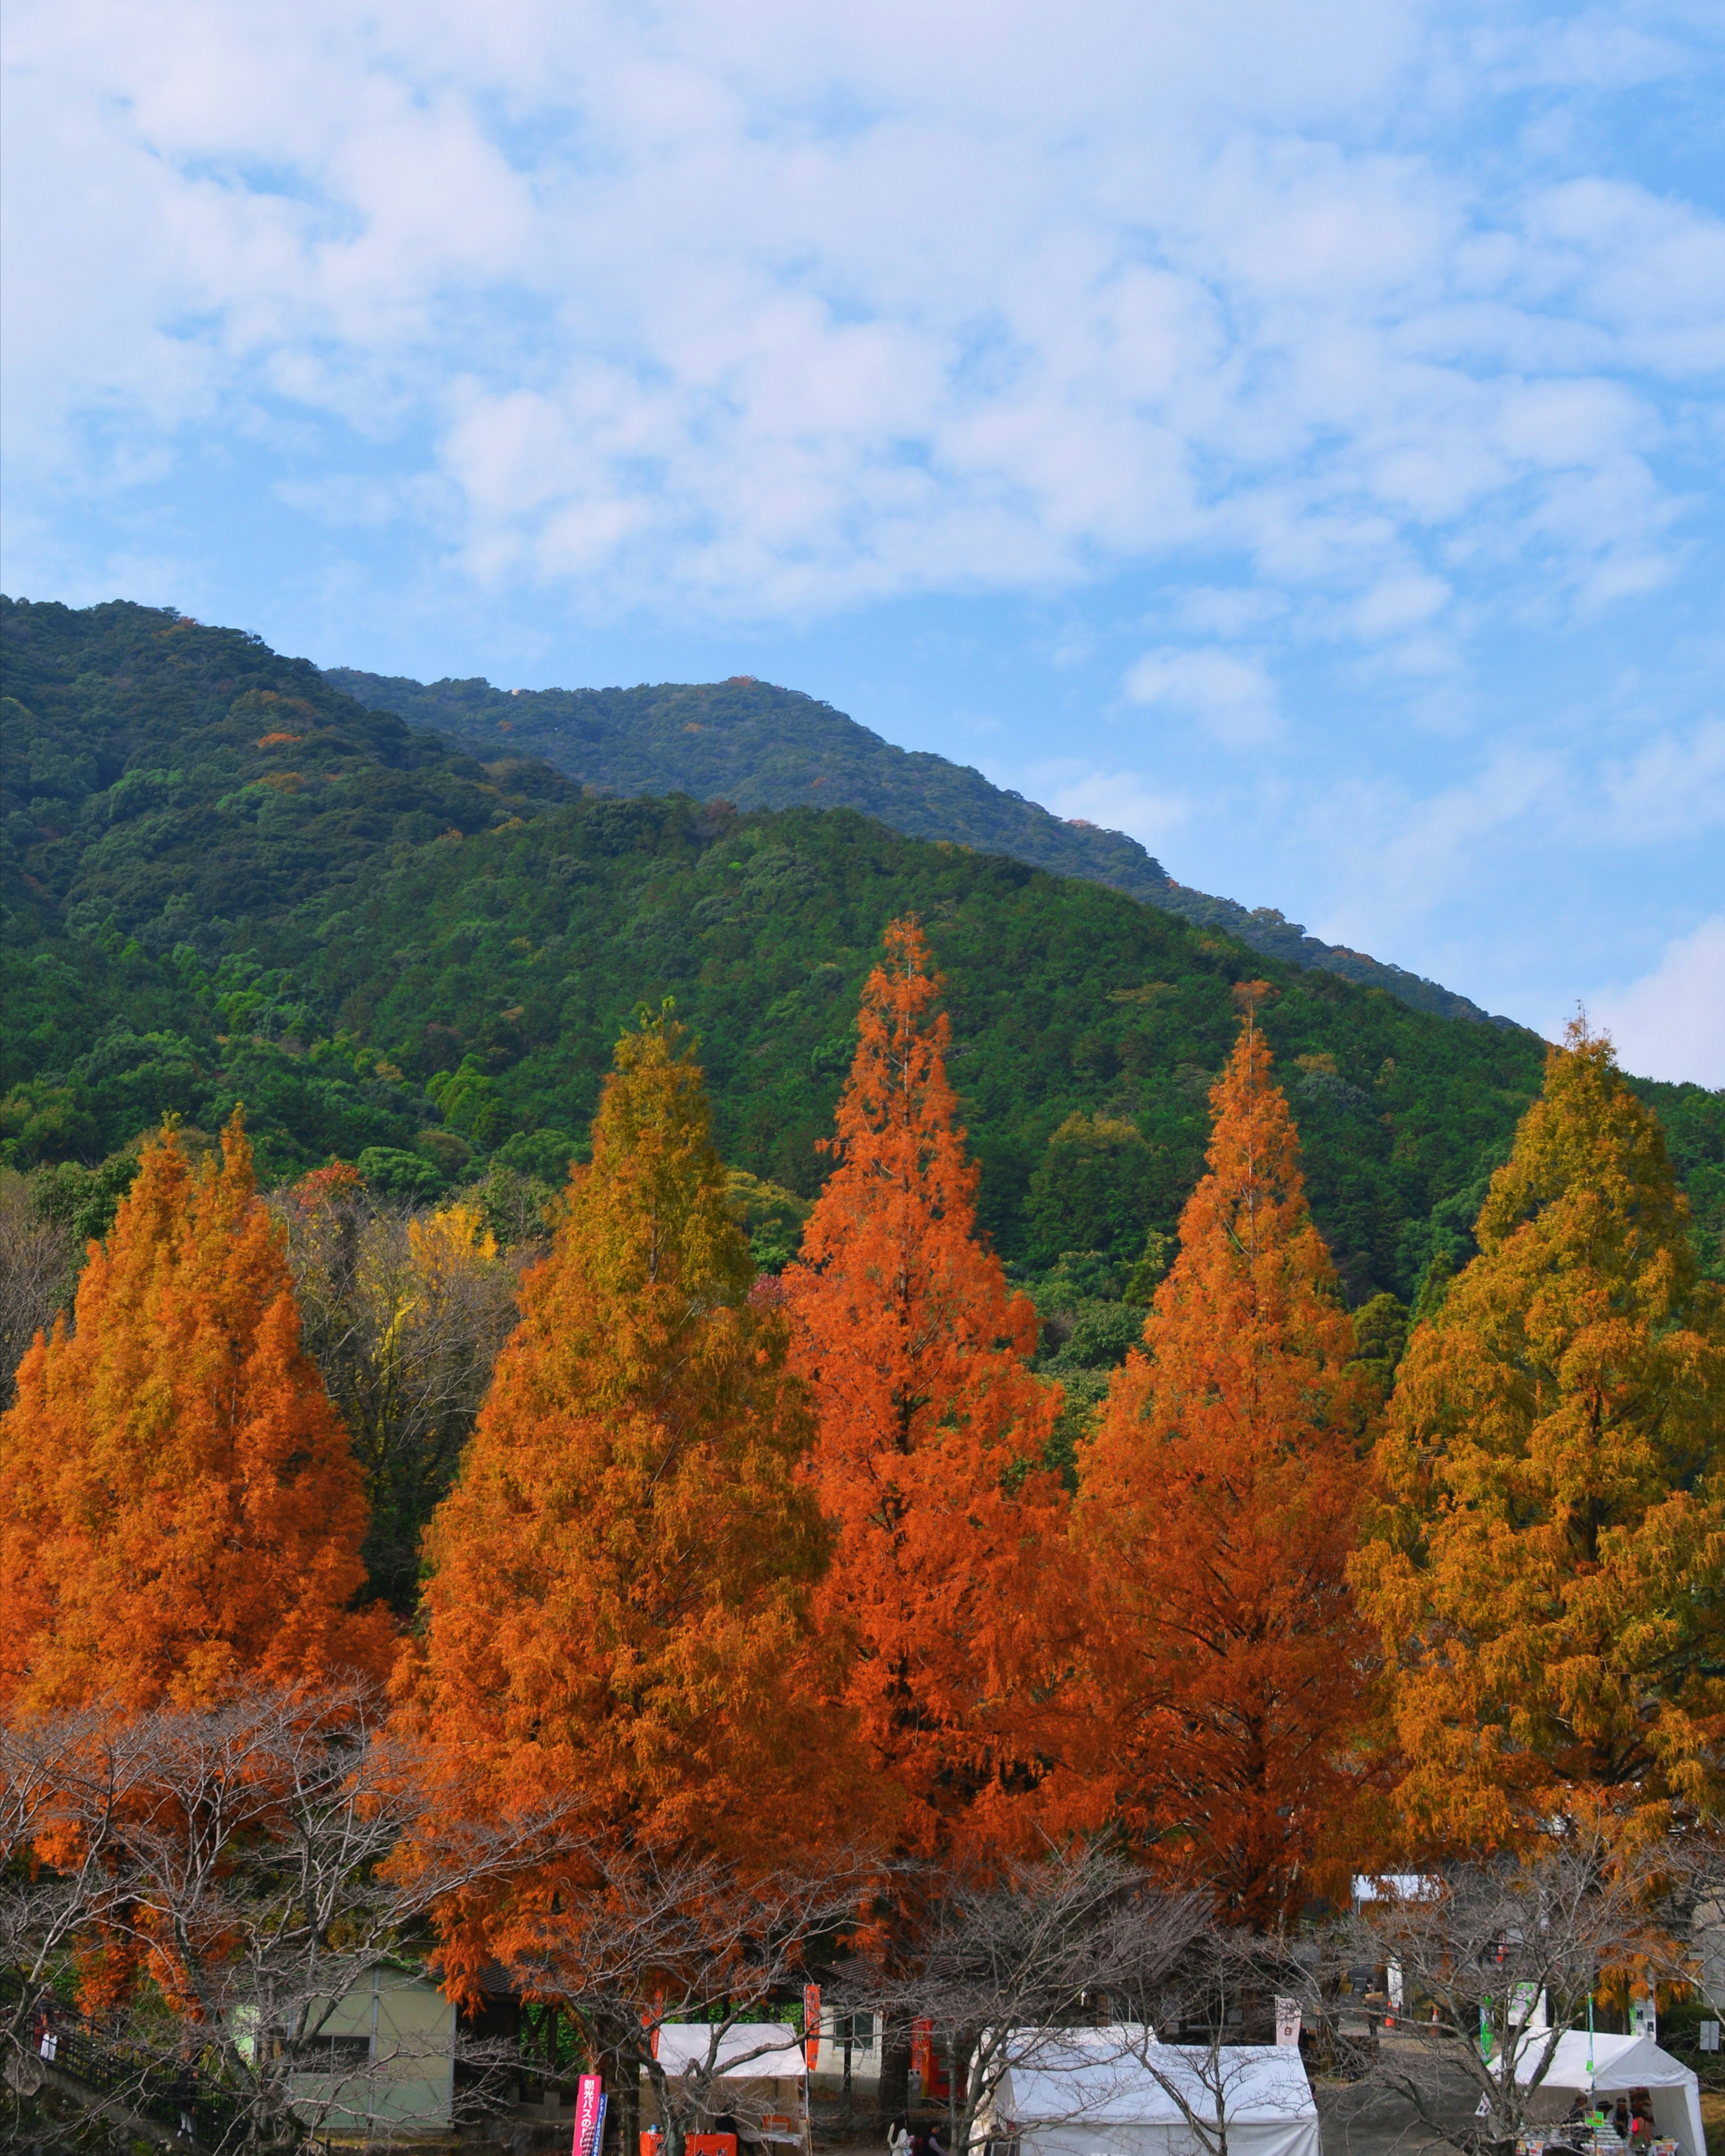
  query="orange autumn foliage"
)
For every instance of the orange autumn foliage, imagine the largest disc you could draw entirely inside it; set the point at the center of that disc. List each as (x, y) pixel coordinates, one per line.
(1220, 1503)
(179, 1509)
(618, 1604)
(1546, 1568)
(948, 1579)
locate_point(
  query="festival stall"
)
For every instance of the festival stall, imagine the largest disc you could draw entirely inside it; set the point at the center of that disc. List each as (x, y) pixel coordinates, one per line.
(1605, 2068)
(753, 2079)
(1116, 2091)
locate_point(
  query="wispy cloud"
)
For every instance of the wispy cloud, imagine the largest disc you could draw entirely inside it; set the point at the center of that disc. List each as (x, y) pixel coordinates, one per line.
(819, 311)
(1118, 800)
(1670, 1024)
(1233, 698)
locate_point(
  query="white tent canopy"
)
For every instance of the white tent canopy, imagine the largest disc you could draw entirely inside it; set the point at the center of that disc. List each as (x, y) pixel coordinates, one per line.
(1618, 2064)
(748, 2050)
(1117, 2093)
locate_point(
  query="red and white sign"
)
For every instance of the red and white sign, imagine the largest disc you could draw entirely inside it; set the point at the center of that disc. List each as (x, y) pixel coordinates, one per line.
(1287, 2021)
(588, 2100)
(811, 2024)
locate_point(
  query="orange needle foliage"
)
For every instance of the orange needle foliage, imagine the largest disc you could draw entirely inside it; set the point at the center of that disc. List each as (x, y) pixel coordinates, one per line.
(619, 1602)
(947, 1576)
(1548, 1578)
(1218, 1505)
(179, 1508)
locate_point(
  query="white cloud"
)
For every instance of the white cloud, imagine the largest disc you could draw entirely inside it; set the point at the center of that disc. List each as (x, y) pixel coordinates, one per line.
(1671, 786)
(1398, 604)
(1670, 1024)
(767, 311)
(1233, 697)
(1116, 800)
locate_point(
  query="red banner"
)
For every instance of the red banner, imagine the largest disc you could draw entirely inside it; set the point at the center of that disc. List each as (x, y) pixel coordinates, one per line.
(811, 2024)
(922, 2051)
(589, 2100)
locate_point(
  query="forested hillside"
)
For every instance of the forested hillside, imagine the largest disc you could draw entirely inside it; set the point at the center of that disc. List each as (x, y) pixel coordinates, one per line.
(227, 880)
(759, 746)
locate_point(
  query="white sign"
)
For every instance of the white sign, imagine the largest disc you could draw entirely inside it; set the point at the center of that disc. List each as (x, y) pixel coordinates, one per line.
(1644, 2019)
(1710, 2036)
(1287, 2021)
(1527, 2007)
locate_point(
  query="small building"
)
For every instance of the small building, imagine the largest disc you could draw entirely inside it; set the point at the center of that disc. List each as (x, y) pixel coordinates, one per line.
(863, 2033)
(390, 2051)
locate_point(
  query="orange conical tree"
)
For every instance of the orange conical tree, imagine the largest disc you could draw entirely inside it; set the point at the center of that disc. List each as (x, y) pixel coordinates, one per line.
(948, 1581)
(179, 1509)
(619, 1604)
(1218, 1505)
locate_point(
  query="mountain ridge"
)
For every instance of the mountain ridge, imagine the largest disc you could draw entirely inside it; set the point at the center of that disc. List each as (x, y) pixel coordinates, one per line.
(225, 881)
(767, 747)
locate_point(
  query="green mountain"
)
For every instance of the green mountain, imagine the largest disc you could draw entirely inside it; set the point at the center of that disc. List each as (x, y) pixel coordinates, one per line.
(759, 746)
(227, 879)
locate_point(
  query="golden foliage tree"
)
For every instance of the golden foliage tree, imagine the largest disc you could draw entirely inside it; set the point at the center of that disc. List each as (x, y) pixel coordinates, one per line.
(179, 1508)
(947, 1578)
(1548, 1577)
(1219, 1503)
(618, 1600)
(405, 1313)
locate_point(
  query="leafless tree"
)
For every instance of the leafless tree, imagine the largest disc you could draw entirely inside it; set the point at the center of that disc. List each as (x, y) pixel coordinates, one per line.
(1193, 2041)
(38, 1272)
(1693, 1859)
(656, 1940)
(231, 1872)
(1486, 1965)
(1003, 1964)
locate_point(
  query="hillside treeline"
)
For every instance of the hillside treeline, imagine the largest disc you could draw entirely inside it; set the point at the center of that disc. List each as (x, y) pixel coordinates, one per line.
(226, 881)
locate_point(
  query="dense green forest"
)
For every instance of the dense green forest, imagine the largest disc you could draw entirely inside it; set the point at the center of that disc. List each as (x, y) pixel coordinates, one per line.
(758, 747)
(226, 881)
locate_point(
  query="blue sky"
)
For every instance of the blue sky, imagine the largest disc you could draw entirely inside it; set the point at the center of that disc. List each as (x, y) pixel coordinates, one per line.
(1291, 434)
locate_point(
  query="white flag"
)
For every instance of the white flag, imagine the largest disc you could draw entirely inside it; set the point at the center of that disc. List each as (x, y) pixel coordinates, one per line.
(1287, 2021)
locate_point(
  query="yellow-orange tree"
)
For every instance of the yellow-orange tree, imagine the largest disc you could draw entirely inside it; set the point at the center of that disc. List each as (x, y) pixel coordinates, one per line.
(179, 1508)
(617, 1606)
(1549, 1577)
(947, 1583)
(1219, 1503)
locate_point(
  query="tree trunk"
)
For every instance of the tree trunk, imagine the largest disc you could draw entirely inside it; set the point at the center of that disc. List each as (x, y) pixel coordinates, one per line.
(893, 2100)
(628, 2112)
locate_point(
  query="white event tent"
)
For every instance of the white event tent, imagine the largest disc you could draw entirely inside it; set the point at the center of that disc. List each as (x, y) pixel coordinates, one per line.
(1116, 2091)
(750, 2050)
(1620, 2065)
(759, 2073)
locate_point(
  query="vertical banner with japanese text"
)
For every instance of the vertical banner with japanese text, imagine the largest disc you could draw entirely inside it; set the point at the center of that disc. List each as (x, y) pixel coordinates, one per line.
(811, 2024)
(589, 2115)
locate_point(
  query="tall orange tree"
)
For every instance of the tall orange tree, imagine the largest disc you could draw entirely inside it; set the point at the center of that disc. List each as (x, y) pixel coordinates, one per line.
(948, 1582)
(1218, 1505)
(1548, 1566)
(618, 1604)
(179, 1508)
